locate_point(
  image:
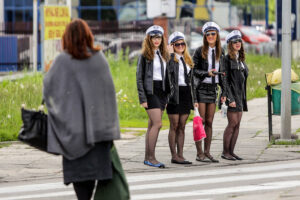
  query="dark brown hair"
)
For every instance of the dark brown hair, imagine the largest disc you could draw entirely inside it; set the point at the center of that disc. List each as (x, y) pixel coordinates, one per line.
(148, 49)
(78, 40)
(232, 54)
(204, 51)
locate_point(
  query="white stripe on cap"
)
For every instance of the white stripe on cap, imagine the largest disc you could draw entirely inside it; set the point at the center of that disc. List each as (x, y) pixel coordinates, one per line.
(176, 36)
(155, 29)
(235, 34)
(210, 26)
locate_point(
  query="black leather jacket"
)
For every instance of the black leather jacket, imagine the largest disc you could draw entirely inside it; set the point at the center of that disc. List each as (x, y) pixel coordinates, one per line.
(173, 68)
(201, 70)
(144, 78)
(237, 82)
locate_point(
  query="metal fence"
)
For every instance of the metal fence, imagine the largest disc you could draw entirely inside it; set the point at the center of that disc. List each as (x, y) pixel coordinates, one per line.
(15, 46)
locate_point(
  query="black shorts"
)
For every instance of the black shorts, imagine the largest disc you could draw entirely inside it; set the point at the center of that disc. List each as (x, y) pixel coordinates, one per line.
(207, 93)
(185, 102)
(159, 97)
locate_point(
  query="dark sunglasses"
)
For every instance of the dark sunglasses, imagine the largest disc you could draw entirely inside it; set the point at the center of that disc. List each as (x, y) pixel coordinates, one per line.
(236, 41)
(178, 44)
(212, 34)
(156, 37)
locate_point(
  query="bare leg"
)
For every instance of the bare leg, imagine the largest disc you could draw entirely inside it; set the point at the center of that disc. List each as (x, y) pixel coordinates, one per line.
(235, 133)
(181, 135)
(174, 119)
(155, 116)
(202, 111)
(228, 133)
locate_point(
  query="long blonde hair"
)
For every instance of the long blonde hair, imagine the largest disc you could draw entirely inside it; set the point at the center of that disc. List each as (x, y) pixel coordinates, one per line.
(148, 49)
(186, 56)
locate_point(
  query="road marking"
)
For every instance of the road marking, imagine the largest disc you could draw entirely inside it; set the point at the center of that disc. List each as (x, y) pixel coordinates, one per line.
(52, 194)
(150, 177)
(33, 187)
(172, 184)
(218, 191)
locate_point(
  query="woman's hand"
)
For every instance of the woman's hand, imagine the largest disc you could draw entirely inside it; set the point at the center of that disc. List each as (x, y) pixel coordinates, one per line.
(210, 73)
(232, 104)
(196, 105)
(170, 48)
(223, 99)
(144, 105)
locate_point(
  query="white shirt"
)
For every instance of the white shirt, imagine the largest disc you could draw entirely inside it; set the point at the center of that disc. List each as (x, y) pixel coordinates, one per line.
(209, 79)
(181, 81)
(237, 59)
(157, 67)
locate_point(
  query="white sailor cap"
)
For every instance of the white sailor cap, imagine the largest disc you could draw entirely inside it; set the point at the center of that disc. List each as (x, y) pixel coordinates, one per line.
(210, 26)
(176, 36)
(155, 30)
(234, 35)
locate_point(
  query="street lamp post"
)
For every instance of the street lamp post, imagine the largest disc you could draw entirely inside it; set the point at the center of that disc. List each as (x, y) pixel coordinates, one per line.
(35, 34)
(286, 53)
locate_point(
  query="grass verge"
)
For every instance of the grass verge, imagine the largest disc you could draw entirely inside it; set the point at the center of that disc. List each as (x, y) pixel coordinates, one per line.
(28, 90)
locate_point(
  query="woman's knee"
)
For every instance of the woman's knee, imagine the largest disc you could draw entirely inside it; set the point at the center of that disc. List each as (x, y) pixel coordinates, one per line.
(157, 124)
(208, 123)
(234, 123)
(174, 126)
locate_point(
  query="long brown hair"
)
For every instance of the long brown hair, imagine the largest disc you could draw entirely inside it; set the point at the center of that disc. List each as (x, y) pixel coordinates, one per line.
(232, 54)
(78, 39)
(204, 51)
(186, 56)
(148, 49)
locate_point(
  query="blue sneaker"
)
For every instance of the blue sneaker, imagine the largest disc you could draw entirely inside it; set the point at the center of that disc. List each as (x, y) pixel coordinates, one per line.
(159, 165)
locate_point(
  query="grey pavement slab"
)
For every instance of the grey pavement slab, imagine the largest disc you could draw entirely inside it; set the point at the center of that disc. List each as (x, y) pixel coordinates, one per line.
(21, 162)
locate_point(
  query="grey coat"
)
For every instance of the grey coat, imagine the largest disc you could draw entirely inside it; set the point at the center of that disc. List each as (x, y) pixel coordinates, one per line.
(81, 102)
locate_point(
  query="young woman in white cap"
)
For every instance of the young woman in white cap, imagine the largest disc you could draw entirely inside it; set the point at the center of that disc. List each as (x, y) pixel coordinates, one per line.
(181, 101)
(236, 77)
(208, 70)
(153, 87)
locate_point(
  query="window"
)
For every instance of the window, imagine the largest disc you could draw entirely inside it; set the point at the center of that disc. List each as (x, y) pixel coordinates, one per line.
(97, 10)
(18, 10)
(133, 10)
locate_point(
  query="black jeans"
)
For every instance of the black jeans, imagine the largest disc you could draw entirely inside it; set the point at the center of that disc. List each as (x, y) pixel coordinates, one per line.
(84, 190)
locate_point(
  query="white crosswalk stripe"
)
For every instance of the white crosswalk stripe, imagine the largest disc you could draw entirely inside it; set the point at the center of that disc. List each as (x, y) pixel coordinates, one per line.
(191, 184)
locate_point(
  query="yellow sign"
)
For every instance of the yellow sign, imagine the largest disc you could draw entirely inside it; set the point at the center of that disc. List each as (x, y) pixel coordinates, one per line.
(56, 19)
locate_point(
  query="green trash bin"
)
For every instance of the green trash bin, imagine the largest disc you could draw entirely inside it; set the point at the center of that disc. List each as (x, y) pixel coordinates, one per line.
(295, 97)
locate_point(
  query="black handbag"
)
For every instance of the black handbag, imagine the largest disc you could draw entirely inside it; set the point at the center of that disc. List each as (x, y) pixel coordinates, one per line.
(34, 129)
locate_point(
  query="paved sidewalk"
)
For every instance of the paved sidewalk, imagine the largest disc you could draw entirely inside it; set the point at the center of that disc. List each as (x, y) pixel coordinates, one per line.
(21, 162)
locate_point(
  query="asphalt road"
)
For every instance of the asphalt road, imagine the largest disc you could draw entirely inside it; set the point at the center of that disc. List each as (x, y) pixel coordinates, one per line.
(266, 181)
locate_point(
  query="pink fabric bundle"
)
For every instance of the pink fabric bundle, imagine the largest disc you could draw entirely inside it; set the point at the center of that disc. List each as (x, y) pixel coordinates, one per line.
(198, 129)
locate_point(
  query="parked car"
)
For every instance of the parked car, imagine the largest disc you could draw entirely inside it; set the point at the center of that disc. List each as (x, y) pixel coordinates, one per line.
(195, 42)
(255, 41)
(223, 35)
(251, 35)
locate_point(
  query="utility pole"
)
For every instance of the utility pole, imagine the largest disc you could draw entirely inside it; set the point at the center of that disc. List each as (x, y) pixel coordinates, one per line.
(267, 13)
(35, 35)
(69, 4)
(286, 53)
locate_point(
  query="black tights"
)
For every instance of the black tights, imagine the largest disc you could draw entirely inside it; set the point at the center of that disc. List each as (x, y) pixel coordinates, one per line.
(84, 190)
(154, 125)
(176, 135)
(207, 113)
(231, 132)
